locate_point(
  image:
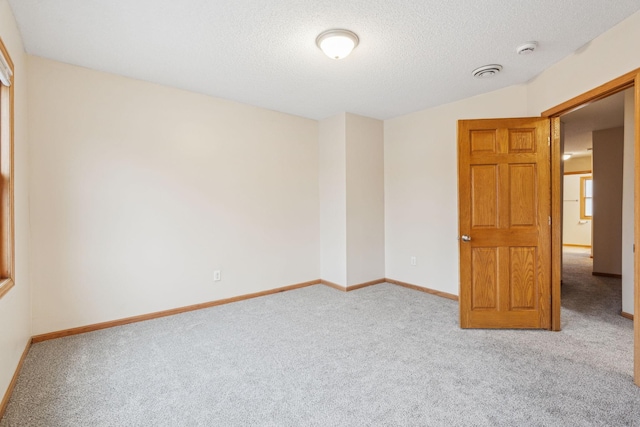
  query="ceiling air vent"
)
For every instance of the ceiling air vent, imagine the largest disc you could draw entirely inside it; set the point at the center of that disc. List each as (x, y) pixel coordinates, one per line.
(487, 71)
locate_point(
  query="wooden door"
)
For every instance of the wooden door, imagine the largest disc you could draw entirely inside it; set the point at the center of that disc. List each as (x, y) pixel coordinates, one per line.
(505, 232)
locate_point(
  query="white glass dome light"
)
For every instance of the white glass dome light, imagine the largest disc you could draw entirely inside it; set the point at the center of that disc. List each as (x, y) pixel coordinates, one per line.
(337, 44)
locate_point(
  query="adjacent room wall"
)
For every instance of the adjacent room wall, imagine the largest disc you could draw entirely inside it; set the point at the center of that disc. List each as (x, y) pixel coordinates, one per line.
(627, 203)
(421, 192)
(575, 230)
(577, 164)
(608, 146)
(15, 310)
(139, 192)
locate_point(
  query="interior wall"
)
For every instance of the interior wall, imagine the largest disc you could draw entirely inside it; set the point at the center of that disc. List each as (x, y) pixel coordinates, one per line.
(608, 148)
(351, 199)
(333, 199)
(365, 199)
(139, 192)
(575, 231)
(421, 193)
(577, 164)
(15, 311)
(608, 56)
(628, 225)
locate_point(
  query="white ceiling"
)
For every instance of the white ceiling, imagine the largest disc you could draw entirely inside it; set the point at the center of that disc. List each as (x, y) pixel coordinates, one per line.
(579, 124)
(413, 54)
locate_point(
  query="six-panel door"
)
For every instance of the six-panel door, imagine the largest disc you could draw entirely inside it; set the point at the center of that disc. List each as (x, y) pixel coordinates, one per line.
(504, 202)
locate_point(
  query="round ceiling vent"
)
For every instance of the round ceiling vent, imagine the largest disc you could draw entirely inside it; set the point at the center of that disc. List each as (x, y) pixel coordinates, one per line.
(487, 71)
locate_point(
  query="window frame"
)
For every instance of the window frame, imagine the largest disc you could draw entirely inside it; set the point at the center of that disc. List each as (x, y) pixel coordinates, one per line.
(7, 228)
(583, 197)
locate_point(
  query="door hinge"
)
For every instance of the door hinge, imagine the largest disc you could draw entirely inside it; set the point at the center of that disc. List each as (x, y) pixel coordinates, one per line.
(549, 141)
(549, 220)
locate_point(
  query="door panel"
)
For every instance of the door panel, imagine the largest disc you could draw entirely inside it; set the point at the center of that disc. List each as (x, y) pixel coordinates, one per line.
(483, 142)
(522, 195)
(485, 278)
(484, 196)
(523, 280)
(522, 141)
(504, 201)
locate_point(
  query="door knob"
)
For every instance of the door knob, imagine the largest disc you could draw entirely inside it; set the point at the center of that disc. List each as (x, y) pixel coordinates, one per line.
(466, 238)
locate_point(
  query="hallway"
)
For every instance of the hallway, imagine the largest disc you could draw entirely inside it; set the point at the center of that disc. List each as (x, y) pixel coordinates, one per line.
(591, 307)
(584, 293)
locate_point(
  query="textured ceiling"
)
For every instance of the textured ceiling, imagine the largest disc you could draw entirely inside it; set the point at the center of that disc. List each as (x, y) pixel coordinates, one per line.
(413, 54)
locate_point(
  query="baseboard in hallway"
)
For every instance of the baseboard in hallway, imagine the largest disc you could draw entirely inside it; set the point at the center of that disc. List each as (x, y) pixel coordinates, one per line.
(615, 276)
(626, 315)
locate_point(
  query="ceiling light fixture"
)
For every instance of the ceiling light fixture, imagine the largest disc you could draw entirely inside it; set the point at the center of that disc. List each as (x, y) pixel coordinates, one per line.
(527, 48)
(337, 44)
(566, 156)
(487, 71)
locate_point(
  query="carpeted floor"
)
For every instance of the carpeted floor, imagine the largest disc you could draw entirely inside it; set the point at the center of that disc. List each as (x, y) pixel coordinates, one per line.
(379, 356)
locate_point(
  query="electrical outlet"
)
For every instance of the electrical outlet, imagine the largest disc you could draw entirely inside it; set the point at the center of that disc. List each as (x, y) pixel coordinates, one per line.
(413, 260)
(217, 276)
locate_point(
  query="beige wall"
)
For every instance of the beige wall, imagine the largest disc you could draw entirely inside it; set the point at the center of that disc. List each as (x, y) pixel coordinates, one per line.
(628, 203)
(15, 311)
(365, 199)
(421, 193)
(332, 140)
(139, 192)
(608, 146)
(351, 199)
(577, 164)
(575, 231)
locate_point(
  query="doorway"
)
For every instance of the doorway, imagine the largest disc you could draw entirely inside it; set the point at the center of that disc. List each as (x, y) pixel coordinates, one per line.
(597, 142)
(629, 80)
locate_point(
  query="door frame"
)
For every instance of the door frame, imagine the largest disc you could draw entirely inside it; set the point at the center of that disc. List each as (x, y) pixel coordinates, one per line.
(626, 81)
